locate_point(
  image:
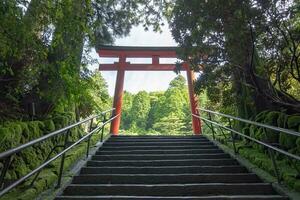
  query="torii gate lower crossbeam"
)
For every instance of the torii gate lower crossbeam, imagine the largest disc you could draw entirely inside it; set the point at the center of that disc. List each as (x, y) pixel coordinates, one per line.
(123, 52)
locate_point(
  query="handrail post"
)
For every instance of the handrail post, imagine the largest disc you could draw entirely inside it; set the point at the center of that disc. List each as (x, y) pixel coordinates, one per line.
(212, 126)
(277, 173)
(62, 160)
(89, 139)
(102, 129)
(4, 170)
(232, 136)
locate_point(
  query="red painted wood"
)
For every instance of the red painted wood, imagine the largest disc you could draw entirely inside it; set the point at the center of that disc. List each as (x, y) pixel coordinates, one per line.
(139, 67)
(193, 100)
(137, 54)
(118, 97)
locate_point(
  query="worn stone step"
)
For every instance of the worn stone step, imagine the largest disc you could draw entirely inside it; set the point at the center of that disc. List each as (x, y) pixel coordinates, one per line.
(170, 189)
(110, 148)
(177, 143)
(183, 162)
(145, 137)
(164, 170)
(219, 197)
(160, 156)
(157, 140)
(171, 152)
(165, 178)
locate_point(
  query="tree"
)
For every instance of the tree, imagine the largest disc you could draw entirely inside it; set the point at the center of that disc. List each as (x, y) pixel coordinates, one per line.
(140, 109)
(228, 39)
(45, 46)
(178, 82)
(94, 97)
(170, 124)
(126, 108)
(163, 112)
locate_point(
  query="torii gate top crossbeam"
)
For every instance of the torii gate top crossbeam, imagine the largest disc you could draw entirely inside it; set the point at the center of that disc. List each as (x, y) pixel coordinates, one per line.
(137, 51)
(123, 52)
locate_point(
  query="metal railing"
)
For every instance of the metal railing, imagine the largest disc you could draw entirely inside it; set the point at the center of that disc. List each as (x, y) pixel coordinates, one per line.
(271, 149)
(8, 155)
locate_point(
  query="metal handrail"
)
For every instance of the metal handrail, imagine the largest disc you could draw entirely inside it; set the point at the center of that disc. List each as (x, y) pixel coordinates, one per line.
(269, 146)
(64, 131)
(290, 132)
(45, 137)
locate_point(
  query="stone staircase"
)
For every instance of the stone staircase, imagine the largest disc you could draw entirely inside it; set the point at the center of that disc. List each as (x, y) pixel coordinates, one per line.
(165, 167)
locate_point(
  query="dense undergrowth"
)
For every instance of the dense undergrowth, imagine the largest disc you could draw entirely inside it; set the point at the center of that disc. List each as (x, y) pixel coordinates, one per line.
(259, 155)
(18, 132)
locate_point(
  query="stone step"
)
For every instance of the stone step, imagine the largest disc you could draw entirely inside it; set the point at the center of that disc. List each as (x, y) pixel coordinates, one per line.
(159, 147)
(219, 197)
(157, 140)
(164, 170)
(183, 162)
(171, 152)
(165, 178)
(177, 143)
(164, 167)
(170, 189)
(169, 137)
(159, 156)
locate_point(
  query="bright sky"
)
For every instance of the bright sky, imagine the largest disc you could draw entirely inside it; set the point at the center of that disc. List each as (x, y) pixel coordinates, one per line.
(136, 81)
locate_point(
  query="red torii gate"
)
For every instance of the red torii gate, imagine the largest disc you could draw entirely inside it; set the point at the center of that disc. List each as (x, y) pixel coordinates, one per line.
(123, 52)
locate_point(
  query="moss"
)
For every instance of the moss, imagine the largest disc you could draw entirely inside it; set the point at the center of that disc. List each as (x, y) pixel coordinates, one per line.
(28, 194)
(60, 121)
(49, 126)
(25, 194)
(11, 136)
(5, 138)
(45, 148)
(70, 115)
(259, 157)
(25, 134)
(20, 167)
(30, 157)
(34, 129)
(11, 175)
(17, 128)
(45, 180)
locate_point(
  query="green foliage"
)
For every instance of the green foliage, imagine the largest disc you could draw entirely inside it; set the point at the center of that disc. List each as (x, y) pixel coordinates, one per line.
(247, 52)
(140, 109)
(158, 112)
(178, 82)
(49, 125)
(293, 122)
(15, 133)
(44, 52)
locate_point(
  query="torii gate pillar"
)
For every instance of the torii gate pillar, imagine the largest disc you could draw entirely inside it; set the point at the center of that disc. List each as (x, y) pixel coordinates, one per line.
(196, 123)
(118, 97)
